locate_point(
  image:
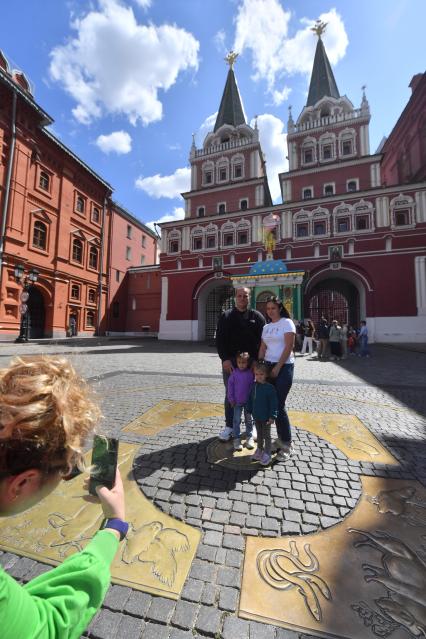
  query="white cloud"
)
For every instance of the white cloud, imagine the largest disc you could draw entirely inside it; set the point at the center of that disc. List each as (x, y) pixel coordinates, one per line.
(145, 4)
(115, 65)
(206, 127)
(273, 141)
(262, 28)
(170, 186)
(178, 213)
(117, 142)
(279, 97)
(219, 41)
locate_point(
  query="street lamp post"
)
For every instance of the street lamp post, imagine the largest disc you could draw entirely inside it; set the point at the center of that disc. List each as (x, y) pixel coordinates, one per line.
(26, 281)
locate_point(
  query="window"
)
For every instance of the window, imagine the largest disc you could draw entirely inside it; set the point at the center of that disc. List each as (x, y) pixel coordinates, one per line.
(243, 205)
(116, 309)
(211, 242)
(93, 257)
(96, 215)
(228, 239)
(242, 237)
(77, 251)
(143, 241)
(307, 194)
(197, 243)
(44, 181)
(221, 208)
(319, 228)
(208, 177)
(174, 246)
(80, 204)
(117, 276)
(142, 260)
(129, 232)
(329, 189)
(128, 253)
(40, 235)
(351, 186)
(327, 151)
(343, 225)
(75, 292)
(347, 147)
(201, 211)
(90, 319)
(91, 296)
(223, 174)
(402, 217)
(362, 222)
(308, 156)
(238, 171)
(302, 230)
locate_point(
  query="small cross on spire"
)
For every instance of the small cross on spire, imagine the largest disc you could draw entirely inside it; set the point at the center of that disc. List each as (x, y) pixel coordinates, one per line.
(319, 27)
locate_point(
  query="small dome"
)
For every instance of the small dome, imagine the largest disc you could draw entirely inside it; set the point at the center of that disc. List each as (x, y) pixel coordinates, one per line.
(269, 267)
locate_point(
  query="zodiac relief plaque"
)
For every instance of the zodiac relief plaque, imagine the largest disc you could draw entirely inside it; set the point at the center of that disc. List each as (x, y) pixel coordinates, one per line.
(363, 578)
(155, 557)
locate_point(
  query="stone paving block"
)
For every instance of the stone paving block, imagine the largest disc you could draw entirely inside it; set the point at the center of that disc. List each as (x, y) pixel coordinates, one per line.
(192, 590)
(326, 522)
(213, 538)
(7, 560)
(138, 604)
(184, 614)
(155, 631)
(228, 577)
(235, 628)
(261, 631)
(117, 597)
(208, 553)
(209, 595)
(290, 515)
(235, 542)
(208, 621)
(290, 528)
(37, 570)
(130, 627)
(234, 558)
(176, 633)
(330, 511)
(241, 507)
(220, 516)
(228, 599)
(106, 625)
(257, 509)
(296, 504)
(22, 567)
(270, 524)
(220, 556)
(203, 570)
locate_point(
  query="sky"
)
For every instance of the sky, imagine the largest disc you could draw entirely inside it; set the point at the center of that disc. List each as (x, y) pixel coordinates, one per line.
(128, 82)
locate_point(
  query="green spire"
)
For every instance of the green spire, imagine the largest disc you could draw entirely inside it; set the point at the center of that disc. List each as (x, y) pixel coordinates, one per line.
(231, 109)
(322, 83)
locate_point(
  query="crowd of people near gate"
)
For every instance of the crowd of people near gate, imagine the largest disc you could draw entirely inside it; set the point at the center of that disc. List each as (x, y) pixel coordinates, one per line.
(333, 340)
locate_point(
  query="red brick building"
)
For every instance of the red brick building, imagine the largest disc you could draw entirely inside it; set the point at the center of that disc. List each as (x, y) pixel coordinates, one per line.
(56, 218)
(359, 235)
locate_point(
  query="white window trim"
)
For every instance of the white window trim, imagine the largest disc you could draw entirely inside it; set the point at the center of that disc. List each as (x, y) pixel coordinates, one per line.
(242, 200)
(309, 143)
(223, 163)
(228, 228)
(325, 140)
(245, 227)
(237, 160)
(401, 203)
(345, 136)
(198, 210)
(356, 180)
(217, 208)
(305, 188)
(207, 167)
(174, 236)
(332, 184)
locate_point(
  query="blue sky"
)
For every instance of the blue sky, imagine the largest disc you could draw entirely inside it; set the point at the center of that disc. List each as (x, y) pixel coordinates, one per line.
(128, 81)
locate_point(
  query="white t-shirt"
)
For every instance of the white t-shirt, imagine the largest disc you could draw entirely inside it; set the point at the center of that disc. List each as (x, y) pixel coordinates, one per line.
(273, 336)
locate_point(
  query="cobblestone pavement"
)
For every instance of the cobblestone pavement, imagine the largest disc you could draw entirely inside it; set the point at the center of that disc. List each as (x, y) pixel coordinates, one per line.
(314, 490)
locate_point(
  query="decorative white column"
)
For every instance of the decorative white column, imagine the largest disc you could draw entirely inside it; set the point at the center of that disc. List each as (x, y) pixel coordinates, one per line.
(164, 297)
(420, 275)
(420, 206)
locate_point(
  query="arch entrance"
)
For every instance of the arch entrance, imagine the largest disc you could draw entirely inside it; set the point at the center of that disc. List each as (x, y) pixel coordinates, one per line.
(219, 299)
(335, 298)
(36, 313)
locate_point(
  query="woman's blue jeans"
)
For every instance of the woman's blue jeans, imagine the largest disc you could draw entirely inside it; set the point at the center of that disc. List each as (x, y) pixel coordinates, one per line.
(283, 383)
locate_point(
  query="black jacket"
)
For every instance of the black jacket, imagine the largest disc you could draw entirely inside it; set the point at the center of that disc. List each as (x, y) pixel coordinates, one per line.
(238, 331)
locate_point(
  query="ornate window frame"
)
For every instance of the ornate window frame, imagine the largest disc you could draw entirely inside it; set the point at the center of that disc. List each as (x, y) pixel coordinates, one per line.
(243, 226)
(402, 203)
(174, 236)
(309, 143)
(320, 214)
(211, 231)
(219, 204)
(226, 229)
(344, 136)
(207, 167)
(197, 232)
(343, 210)
(363, 209)
(327, 139)
(302, 217)
(326, 185)
(237, 160)
(356, 181)
(222, 164)
(308, 188)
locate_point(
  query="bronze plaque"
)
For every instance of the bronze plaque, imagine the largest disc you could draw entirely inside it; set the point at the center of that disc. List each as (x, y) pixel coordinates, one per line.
(364, 577)
(169, 412)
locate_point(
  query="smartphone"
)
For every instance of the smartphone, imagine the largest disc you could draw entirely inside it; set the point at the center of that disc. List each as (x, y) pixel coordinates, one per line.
(104, 463)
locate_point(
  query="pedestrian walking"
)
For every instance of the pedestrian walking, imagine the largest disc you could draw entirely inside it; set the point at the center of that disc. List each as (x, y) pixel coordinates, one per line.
(344, 341)
(308, 340)
(334, 338)
(263, 405)
(322, 333)
(239, 386)
(276, 349)
(363, 340)
(239, 330)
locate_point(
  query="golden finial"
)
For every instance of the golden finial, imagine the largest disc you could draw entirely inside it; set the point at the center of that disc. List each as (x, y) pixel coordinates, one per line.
(230, 58)
(319, 27)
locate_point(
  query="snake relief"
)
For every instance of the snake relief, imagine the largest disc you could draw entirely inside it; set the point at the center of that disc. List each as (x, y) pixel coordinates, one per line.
(284, 570)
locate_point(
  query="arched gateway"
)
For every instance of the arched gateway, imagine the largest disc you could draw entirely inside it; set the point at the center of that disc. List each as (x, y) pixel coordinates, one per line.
(218, 300)
(338, 298)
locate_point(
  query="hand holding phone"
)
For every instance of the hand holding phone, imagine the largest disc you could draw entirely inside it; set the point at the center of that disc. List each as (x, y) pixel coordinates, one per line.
(113, 500)
(104, 463)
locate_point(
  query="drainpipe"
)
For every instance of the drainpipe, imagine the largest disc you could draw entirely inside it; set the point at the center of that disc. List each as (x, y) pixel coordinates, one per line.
(101, 268)
(7, 185)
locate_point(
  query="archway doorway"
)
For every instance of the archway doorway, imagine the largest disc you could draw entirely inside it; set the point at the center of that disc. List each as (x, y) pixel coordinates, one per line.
(36, 313)
(335, 299)
(219, 299)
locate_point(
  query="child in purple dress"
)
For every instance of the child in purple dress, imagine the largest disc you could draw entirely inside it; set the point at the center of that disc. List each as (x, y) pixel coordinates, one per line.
(239, 386)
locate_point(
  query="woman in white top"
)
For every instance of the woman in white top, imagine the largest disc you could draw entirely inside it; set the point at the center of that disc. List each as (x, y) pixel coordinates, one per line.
(276, 349)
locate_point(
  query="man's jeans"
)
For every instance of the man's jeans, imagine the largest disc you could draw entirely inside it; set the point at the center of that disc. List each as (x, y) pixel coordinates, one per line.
(238, 411)
(282, 385)
(364, 350)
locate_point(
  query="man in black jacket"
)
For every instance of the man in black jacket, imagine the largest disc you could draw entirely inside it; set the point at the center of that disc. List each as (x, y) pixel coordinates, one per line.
(238, 330)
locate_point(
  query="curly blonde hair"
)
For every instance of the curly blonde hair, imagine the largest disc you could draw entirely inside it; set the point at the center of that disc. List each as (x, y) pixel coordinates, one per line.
(46, 415)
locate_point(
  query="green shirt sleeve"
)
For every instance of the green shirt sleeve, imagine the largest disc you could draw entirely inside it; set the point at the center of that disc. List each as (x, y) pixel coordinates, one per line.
(60, 603)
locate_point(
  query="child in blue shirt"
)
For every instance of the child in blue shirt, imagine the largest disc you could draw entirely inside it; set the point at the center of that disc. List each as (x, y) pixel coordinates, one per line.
(263, 405)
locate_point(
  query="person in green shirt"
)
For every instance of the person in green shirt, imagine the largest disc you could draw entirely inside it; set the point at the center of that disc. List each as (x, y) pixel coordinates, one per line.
(46, 416)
